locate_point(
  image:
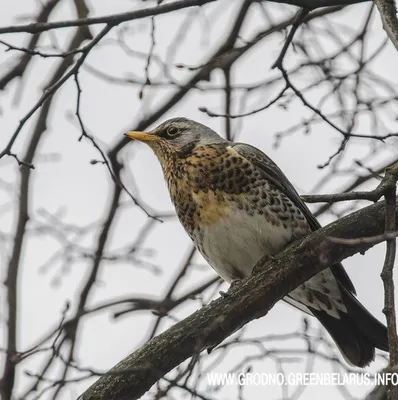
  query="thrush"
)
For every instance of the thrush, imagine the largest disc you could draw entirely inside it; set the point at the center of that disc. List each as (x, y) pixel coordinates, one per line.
(238, 206)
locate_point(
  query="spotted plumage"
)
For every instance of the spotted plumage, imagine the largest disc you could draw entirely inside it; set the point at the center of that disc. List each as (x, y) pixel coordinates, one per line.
(237, 206)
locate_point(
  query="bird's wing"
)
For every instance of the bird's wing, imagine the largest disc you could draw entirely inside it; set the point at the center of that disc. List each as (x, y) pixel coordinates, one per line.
(274, 175)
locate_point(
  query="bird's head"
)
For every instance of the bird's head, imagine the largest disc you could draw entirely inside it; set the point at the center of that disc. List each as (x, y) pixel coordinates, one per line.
(176, 138)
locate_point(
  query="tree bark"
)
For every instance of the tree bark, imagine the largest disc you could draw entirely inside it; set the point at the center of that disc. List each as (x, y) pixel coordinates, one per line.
(210, 325)
(388, 14)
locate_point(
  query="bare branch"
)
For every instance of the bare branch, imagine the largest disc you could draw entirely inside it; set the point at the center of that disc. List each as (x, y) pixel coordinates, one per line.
(252, 299)
(372, 195)
(8, 379)
(19, 69)
(313, 4)
(110, 20)
(300, 16)
(387, 273)
(388, 14)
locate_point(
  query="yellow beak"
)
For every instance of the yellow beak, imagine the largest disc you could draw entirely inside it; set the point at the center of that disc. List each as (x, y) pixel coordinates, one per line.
(142, 136)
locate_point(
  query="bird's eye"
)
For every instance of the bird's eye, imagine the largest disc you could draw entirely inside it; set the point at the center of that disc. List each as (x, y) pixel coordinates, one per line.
(172, 131)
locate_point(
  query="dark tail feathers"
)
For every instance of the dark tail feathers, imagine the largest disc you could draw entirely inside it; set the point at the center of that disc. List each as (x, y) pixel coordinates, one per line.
(357, 333)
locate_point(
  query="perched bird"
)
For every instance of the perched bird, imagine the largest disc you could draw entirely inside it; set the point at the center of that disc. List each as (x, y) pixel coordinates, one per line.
(238, 206)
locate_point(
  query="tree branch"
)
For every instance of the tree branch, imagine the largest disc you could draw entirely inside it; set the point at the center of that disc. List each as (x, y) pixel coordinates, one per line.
(388, 14)
(111, 20)
(313, 4)
(391, 178)
(7, 381)
(209, 326)
(20, 67)
(300, 16)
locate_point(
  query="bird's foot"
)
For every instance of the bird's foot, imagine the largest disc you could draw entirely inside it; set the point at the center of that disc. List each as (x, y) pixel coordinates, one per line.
(266, 259)
(232, 286)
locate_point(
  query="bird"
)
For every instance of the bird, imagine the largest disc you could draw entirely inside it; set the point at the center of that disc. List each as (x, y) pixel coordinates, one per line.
(237, 206)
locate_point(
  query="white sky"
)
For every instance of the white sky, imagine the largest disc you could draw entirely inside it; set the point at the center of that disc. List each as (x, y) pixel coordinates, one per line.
(64, 182)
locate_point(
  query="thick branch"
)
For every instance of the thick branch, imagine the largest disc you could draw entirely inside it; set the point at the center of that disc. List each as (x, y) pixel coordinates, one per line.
(209, 326)
(388, 13)
(312, 4)
(391, 178)
(116, 19)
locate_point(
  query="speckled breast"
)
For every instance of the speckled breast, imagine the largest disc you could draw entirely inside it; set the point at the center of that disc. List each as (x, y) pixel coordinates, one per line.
(215, 177)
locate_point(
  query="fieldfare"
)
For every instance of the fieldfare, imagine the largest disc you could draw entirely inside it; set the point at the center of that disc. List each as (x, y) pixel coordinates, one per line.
(238, 206)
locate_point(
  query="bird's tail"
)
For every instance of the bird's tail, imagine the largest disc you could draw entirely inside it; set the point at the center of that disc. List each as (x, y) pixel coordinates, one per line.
(357, 333)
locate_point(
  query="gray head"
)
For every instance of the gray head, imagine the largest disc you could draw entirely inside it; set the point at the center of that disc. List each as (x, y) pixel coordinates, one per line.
(177, 136)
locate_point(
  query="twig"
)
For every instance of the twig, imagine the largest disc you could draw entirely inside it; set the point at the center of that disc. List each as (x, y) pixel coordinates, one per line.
(372, 195)
(149, 58)
(19, 69)
(358, 182)
(232, 116)
(299, 18)
(104, 160)
(50, 90)
(228, 102)
(31, 52)
(20, 162)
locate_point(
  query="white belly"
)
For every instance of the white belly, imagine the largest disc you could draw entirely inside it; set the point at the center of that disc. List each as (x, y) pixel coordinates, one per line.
(238, 241)
(234, 244)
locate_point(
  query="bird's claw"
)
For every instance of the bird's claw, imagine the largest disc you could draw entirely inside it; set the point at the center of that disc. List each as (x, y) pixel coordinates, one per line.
(232, 286)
